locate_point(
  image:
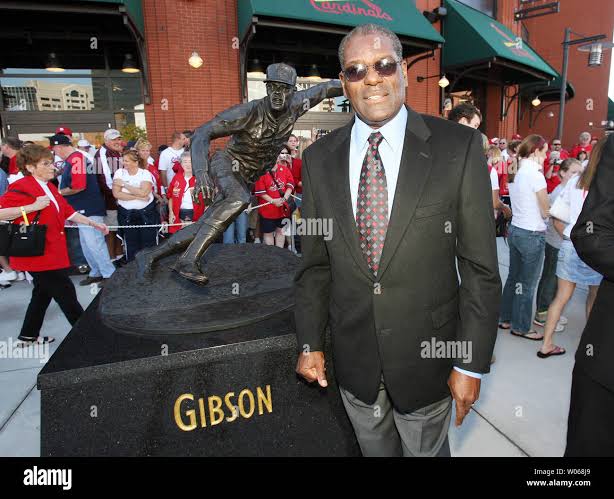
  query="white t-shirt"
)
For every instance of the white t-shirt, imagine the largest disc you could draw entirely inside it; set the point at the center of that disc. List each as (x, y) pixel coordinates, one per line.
(494, 179)
(528, 181)
(135, 181)
(167, 158)
(574, 197)
(186, 201)
(553, 238)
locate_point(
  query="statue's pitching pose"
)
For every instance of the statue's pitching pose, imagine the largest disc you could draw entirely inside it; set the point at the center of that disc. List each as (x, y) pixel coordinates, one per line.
(258, 130)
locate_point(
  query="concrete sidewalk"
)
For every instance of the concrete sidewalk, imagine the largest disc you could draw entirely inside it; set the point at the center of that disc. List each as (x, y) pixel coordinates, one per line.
(522, 409)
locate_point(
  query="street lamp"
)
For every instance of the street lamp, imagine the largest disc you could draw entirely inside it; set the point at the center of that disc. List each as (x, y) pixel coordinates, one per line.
(596, 53)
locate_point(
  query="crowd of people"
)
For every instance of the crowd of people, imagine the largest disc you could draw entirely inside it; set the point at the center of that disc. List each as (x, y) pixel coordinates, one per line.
(134, 199)
(538, 194)
(109, 203)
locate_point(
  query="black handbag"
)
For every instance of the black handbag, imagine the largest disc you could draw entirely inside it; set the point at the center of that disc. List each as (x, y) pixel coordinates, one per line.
(23, 239)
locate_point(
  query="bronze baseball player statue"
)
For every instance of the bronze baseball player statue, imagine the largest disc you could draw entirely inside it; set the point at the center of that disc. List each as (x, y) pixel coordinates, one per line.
(258, 130)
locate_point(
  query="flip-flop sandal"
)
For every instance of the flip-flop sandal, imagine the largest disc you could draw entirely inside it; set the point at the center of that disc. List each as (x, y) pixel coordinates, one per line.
(39, 340)
(526, 335)
(501, 326)
(555, 351)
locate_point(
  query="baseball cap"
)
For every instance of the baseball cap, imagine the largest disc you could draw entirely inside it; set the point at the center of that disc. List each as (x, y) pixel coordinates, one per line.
(516, 137)
(493, 141)
(111, 134)
(59, 139)
(63, 130)
(281, 73)
(83, 143)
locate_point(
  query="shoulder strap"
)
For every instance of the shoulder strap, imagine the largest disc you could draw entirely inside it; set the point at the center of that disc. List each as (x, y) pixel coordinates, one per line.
(35, 219)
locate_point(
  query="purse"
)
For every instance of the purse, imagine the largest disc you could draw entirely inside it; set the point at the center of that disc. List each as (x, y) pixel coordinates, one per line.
(26, 239)
(560, 210)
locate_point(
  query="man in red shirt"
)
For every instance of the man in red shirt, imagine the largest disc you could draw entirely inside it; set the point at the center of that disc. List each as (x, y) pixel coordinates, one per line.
(554, 157)
(296, 166)
(274, 188)
(9, 148)
(584, 145)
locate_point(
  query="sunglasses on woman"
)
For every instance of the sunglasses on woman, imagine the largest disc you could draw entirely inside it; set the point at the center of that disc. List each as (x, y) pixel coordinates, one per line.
(384, 67)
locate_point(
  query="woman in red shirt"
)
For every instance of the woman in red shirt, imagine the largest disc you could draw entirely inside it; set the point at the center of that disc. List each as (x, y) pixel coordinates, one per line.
(49, 271)
(273, 190)
(181, 207)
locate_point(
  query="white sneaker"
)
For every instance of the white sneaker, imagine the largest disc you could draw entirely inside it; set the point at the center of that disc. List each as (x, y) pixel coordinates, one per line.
(559, 327)
(20, 276)
(257, 240)
(8, 276)
(563, 320)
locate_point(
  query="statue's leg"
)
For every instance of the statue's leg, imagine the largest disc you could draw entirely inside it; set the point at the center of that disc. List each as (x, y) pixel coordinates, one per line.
(178, 242)
(216, 219)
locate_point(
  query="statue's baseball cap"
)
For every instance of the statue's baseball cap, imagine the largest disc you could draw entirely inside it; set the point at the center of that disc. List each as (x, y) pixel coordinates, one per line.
(281, 73)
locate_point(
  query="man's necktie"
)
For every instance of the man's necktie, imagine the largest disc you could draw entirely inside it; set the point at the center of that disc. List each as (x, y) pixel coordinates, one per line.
(372, 204)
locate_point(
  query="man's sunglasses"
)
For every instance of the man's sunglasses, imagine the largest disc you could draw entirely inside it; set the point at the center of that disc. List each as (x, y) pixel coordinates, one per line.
(384, 67)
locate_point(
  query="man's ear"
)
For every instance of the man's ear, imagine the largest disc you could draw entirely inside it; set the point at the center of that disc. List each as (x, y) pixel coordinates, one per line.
(404, 69)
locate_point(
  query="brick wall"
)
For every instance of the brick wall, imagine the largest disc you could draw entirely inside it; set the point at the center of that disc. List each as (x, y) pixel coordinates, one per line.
(588, 17)
(425, 97)
(173, 30)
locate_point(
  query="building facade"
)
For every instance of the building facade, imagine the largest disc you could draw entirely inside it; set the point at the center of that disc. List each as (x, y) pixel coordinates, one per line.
(486, 56)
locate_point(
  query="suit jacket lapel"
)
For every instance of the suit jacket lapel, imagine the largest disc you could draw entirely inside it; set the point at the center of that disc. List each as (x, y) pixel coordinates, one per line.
(413, 173)
(342, 199)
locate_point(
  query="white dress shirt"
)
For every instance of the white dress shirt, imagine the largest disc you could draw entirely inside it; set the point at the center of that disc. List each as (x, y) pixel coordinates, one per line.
(390, 150)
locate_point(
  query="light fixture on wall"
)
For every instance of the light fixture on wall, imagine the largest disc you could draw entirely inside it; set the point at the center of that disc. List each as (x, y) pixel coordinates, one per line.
(536, 102)
(443, 81)
(53, 63)
(195, 60)
(313, 73)
(255, 69)
(595, 52)
(129, 66)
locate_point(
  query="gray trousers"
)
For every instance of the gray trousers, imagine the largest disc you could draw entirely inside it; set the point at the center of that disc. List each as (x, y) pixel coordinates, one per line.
(382, 431)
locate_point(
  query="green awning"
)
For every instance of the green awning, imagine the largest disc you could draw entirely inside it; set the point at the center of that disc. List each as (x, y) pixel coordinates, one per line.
(548, 91)
(473, 39)
(610, 110)
(402, 17)
(134, 9)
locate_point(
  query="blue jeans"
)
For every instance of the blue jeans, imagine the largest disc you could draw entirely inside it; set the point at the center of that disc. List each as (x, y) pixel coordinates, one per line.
(526, 252)
(75, 247)
(548, 282)
(236, 233)
(95, 250)
(140, 238)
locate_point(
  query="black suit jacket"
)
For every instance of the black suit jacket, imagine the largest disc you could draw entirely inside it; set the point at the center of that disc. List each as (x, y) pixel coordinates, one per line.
(593, 238)
(442, 211)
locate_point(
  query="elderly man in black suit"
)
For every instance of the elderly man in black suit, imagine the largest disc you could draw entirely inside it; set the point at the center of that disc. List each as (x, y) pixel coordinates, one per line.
(589, 427)
(409, 197)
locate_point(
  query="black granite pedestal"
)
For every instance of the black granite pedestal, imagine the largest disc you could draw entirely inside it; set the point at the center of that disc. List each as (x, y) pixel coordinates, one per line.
(226, 391)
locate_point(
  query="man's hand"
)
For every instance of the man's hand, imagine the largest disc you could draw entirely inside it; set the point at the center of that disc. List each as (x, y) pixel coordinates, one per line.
(311, 367)
(465, 390)
(278, 201)
(203, 185)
